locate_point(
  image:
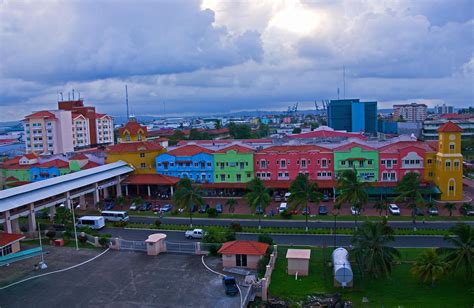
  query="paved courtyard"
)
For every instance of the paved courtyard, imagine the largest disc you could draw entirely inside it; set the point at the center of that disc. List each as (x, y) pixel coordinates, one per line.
(122, 279)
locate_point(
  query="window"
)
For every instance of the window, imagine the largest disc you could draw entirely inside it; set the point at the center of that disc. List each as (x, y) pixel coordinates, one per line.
(456, 165)
(343, 162)
(451, 147)
(239, 178)
(283, 163)
(324, 163)
(208, 164)
(448, 164)
(242, 165)
(6, 250)
(196, 164)
(430, 161)
(382, 161)
(223, 177)
(263, 164)
(268, 174)
(143, 165)
(249, 175)
(142, 155)
(451, 187)
(430, 174)
(127, 137)
(303, 163)
(369, 162)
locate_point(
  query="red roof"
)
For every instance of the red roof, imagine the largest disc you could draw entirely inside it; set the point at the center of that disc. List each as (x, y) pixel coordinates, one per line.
(294, 148)
(348, 146)
(77, 115)
(456, 116)
(397, 146)
(189, 150)
(31, 155)
(237, 148)
(53, 163)
(101, 115)
(41, 114)
(138, 146)
(133, 128)
(79, 156)
(11, 179)
(327, 133)
(450, 127)
(90, 164)
(8, 238)
(155, 179)
(224, 141)
(244, 248)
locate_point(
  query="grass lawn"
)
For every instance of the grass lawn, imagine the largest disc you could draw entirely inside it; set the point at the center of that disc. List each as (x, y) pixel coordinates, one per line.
(401, 289)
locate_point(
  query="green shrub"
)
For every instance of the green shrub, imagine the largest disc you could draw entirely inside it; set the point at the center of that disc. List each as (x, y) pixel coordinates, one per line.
(213, 250)
(229, 235)
(265, 238)
(51, 234)
(120, 224)
(262, 265)
(103, 241)
(157, 223)
(285, 214)
(236, 227)
(212, 212)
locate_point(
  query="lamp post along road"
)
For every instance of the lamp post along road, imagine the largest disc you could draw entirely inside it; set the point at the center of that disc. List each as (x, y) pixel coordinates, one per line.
(74, 223)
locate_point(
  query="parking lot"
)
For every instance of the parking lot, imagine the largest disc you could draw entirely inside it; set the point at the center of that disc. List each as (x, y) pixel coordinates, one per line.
(124, 279)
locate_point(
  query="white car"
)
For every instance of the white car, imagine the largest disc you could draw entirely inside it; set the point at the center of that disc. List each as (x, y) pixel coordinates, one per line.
(194, 234)
(394, 209)
(355, 211)
(287, 196)
(283, 207)
(133, 207)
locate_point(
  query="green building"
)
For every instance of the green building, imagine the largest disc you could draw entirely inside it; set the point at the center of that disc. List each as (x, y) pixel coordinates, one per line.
(360, 157)
(233, 164)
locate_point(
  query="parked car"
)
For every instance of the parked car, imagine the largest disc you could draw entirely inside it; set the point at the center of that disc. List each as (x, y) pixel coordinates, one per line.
(306, 210)
(156, 208)
(204, 208)
(419, 212)
(466, 210)
(194, 234)
(287, 196)
(230, 285)
(355, 210)
(323, 210)
(133, 207)
(259, 210)
(109, 206)
(433, 211)
(146, 206)
(193, 208)
(325, 198)
(394, 209)
(219, 208)
(166, 208)
(283, 207)
(277, 197)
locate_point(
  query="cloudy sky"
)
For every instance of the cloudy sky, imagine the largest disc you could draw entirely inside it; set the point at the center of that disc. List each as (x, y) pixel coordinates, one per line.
(211, 57)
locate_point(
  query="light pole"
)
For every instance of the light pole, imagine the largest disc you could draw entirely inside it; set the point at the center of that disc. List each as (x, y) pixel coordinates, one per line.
(74, 222)
(335, 228)
(42, 264)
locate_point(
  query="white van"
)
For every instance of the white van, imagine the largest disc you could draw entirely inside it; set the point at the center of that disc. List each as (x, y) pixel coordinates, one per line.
(283, 207)
(287, 196)
(93, 222)
(115, 215)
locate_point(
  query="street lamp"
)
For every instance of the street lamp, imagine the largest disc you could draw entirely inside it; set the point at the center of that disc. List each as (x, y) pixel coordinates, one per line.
(42, 264)
(73, 220)
(335, 227)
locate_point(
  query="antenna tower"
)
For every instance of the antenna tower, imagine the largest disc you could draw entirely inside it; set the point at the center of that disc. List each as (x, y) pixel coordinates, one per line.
(126, 102)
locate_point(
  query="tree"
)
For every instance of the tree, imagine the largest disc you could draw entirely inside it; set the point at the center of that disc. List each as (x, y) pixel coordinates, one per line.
(351, 190)
(258, 197)
(218, 124)
(63, 215)
(371, 249)
(450, 207)
(263, 131)
(408, 190)
(296, 130)
(461, 255)
(380, 206)
(240, 131)
(302, 192)
(429, 266)
(231, 203)
(186, 196)
(194, 134)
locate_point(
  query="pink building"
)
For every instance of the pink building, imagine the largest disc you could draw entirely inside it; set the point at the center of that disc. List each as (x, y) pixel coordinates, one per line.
(284, 163)
(242, 253)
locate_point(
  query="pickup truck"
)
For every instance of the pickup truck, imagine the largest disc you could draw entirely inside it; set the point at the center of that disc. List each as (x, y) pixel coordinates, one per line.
(230, 285)
(193, 234)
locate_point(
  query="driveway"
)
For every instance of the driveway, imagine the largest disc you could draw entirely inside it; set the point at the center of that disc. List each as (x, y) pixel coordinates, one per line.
(125, 279)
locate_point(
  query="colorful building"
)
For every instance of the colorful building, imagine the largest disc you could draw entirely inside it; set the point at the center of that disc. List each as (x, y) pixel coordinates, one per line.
(363, 158)
(189, 161)
(233, 164)
(140, 154)
(132, 132)
(449, 161)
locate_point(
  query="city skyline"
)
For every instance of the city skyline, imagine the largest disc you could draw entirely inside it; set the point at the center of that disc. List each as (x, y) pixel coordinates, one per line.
(210, 57)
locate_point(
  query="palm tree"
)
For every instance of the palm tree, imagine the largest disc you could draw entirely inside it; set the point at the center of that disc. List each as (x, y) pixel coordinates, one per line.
(380, 206)
(371, 250)
(258, 197)
(231, 202)
(408, 190)
(186, 196)
(302, 192)
(462, 253)
(429, 266)
(450, 207)
(351, 190)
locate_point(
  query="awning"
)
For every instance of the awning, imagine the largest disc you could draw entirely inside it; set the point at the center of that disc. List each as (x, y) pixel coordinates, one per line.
(151, 179)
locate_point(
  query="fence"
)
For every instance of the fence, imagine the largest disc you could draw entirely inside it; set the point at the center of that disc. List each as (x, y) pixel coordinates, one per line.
(132, 245)
(179, 247)
(266, 280)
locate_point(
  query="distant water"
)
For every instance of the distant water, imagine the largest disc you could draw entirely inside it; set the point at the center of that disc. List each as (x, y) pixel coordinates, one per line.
(12, 149)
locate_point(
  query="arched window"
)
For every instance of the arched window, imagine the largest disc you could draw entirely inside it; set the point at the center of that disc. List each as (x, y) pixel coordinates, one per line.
(451, 187)
(447, 164)
(452, 147)
(127, 137)
(139, 137)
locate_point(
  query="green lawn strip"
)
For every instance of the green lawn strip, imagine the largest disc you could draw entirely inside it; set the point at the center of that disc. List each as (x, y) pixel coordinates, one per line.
(400, 289)
(67, 243)
(280, 230)
(311, 218)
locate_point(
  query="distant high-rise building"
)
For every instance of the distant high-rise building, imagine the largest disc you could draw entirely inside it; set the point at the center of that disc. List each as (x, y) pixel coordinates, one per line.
(410, 112)
(352, 115)
(443, 109)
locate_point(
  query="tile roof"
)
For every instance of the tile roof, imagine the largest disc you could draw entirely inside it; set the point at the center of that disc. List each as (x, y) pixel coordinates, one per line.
(102, 115)
(224, 141)
(133, 128)
(90, 164)
(326, 132)
(78, 156)
(41, 114)
(350, 145)
(297, 148)
(53, 163)
(31, 156)
(449, 127)
(236, 147)
(11, 179)
(134, 147)
(397, 146)
(244, 248)
(155, 179)
(189, 150)
(8, 238)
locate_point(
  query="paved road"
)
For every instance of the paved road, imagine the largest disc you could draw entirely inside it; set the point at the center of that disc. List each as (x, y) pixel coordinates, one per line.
(289, 223)
(294, 239)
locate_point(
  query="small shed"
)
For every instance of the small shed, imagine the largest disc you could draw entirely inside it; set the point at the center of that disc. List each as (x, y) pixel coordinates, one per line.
(155, 244)
(9, 243)
(298, 261)
(242, 253)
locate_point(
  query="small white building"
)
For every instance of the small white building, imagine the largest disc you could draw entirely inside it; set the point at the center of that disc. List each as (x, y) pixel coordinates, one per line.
(298, 261)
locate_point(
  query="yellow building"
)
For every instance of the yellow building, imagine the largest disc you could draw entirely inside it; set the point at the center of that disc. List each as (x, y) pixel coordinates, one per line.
(132, 132)
(140, 154)
(449, 160)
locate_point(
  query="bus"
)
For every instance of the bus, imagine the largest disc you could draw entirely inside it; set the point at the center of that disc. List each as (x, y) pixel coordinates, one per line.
(93, 222)
(115, 215)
